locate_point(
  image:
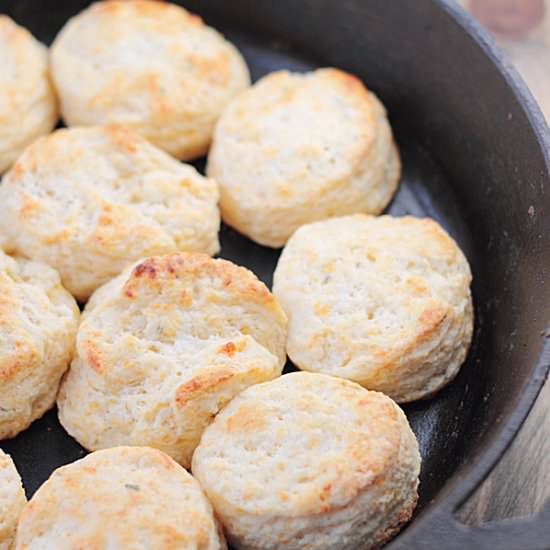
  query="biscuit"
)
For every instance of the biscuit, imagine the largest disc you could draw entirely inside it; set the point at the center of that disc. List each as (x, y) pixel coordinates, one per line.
(123, 498)
(28, 106)
(382, 301)
(151, 66)
(38, 323)
(90, 201)
(12, 501)
(296, 148)
(309, 461)
(163, 347)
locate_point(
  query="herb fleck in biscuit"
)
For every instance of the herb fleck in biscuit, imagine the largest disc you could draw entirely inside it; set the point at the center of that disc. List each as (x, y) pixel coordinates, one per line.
(309, 462)
(38, 322)
(90, 201)
(382, 301)
(296, 148)
(28, 107)
(12, 501)
(123, 498)
(163, 347)
(151, 66)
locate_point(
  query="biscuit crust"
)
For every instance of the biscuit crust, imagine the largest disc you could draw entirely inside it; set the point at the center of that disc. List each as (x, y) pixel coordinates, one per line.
(127, 497)
(296, 148)
(163, 347)
(90, 201)
(309, 461)
(38, 323)
(28, 106)
(12, 501)
(382, 301)
(151, 66)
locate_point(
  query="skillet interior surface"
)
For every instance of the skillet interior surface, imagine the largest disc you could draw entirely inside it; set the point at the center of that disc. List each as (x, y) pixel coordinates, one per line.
(470, 161)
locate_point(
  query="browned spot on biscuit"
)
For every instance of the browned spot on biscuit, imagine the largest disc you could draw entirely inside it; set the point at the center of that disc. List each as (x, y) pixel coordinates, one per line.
(287, 96)
(228, 349)
(185, 299)
(432, 317)
(195, 20)
(200, 385)
(387, 410)
(247, 418)
(17, 170)
(146, 268)
(174, 263)
(416, 285)
(122, 138)
(167, 462)
(9, 367)
(259, 290)
(329, 266)
(351, 82)
(214, 68)
(93, 358)
(104, 219)
(27, 206)
(322, 309)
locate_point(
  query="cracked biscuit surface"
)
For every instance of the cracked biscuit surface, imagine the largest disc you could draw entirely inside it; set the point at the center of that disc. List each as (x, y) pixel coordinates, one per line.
(133, 498)
(151, 66)
(163, 347)
(309, 462)
(382, 301)
(90, 201)
(38, 323)
(28, 106)
(296, 148)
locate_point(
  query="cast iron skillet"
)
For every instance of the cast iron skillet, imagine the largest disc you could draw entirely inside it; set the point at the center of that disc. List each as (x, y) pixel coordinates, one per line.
(475, 153)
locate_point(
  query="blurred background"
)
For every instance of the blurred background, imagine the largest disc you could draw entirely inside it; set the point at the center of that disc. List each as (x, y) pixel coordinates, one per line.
(522, 29)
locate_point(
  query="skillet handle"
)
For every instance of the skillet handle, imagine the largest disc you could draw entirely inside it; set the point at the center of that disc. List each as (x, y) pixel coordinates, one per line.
(445, 531)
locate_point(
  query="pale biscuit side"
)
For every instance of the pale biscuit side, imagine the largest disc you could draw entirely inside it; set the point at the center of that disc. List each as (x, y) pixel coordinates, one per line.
(38, 323)
(28, 105)
(12, 501)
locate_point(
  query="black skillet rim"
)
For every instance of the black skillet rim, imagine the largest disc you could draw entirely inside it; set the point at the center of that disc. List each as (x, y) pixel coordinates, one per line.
(462, 487)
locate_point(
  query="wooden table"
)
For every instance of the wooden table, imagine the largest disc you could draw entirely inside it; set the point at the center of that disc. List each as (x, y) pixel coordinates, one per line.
(520, 484)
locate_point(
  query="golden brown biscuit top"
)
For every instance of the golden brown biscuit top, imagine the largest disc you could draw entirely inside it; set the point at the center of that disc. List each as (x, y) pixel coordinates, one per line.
(365, 291)
(315, 128)
(180, 270)
(104, 196)
(32, 303)
(125, 497)
(302, 444)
